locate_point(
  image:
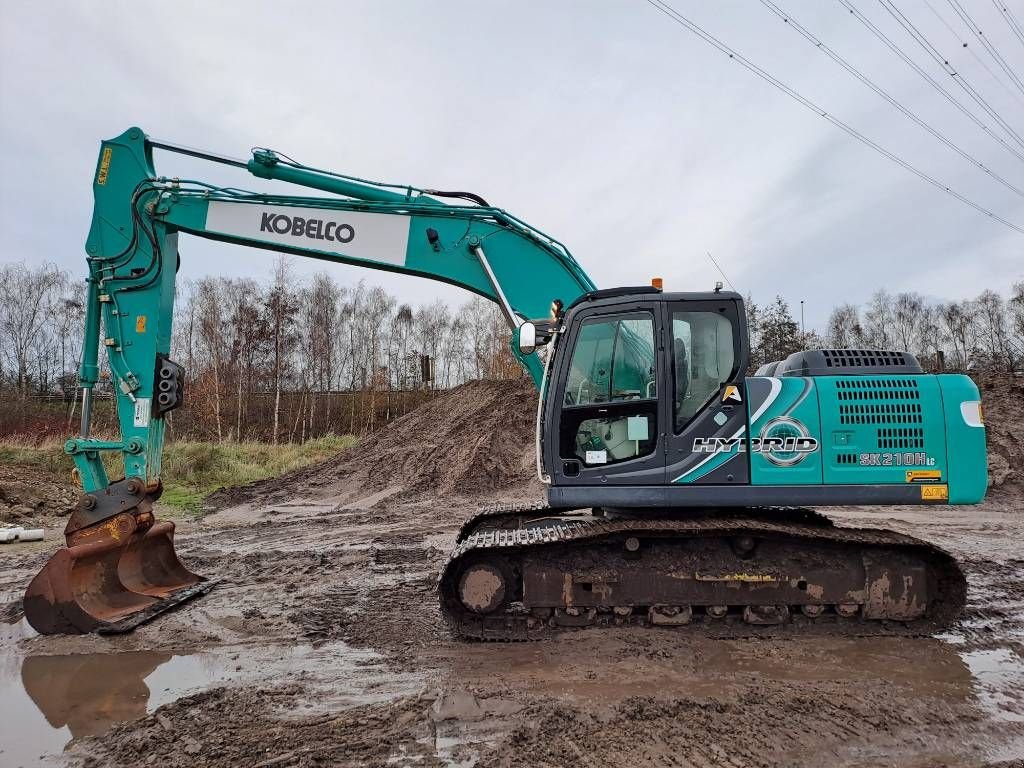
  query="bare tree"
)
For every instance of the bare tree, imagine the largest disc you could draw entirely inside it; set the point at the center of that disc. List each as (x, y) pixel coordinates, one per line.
(27, 296)
(993, 331)
(212, 336)
(959, 327)
(878, 321)
(1015, 308)
(907, 317)
(844, 330)
(281, 305)
(320, 319)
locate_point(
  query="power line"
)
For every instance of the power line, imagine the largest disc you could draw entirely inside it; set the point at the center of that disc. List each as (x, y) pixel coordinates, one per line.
(1011, 22)
(817, 43)
(941, 60)
(857, 14)
(684, 22)
(963, 43)
(976, 31)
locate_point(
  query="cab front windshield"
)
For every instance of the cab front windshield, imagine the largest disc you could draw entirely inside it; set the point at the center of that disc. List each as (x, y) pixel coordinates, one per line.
(613, 364)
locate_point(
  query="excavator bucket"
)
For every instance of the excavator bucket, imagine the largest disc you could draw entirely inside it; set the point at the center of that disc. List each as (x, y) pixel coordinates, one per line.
(111, 577)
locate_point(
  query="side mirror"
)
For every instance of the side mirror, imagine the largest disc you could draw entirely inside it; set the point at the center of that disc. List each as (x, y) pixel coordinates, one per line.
(527, 338)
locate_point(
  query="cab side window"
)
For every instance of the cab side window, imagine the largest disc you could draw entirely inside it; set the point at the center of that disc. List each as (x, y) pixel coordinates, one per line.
(703, 358)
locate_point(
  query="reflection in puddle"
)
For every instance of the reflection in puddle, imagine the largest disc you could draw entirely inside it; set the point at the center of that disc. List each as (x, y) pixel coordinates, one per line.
(89, 693)
(54, 699)
(46, 701)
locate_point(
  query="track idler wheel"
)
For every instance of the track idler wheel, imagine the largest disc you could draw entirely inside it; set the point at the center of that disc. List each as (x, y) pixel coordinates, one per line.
(113, 575)
(482, 588)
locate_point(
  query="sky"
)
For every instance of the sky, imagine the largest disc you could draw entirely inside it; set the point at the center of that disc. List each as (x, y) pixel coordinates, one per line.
(604, 124)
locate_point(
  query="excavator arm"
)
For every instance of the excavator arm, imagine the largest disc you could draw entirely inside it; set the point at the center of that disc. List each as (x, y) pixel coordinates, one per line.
(119, 568)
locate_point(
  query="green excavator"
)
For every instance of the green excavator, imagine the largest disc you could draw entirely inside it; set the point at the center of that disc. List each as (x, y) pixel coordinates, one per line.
(677, 486)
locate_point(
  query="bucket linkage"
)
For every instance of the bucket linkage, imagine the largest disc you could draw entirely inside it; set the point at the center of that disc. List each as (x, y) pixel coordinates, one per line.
(119, 568)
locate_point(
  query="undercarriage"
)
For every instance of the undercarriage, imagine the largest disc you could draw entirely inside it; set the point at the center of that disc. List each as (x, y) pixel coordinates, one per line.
(523, 573)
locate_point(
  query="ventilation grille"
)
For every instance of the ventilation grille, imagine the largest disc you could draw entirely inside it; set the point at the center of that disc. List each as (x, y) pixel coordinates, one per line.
(905, 437)
(877, 389)
(890, 405)
(881, 413)
(846, 458)
(867, 358)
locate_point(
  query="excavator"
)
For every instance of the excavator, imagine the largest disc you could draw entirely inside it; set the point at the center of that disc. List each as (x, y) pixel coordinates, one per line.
(678, 487)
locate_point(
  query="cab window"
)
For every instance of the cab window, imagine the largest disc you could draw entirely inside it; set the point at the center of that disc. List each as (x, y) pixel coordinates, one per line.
(613, 360)
(703, 358)
(611, 393)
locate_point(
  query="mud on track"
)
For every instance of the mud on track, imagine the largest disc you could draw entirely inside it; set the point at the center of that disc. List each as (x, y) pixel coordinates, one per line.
(323, 646)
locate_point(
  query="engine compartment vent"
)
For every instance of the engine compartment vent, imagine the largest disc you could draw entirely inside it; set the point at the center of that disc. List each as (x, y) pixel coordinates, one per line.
(843, 362)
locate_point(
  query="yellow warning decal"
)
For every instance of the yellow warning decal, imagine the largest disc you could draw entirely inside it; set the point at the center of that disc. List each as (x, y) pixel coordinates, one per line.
(101, 177)
(732, 392)
(935, 492)
(755, 578)
(924, 475)
(140, 327)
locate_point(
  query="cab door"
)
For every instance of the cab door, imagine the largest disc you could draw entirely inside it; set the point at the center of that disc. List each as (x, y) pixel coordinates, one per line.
(609, 417)
(707, 437)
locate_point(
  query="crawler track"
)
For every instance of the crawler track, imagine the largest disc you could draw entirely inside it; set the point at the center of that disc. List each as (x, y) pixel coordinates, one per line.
(525, 572)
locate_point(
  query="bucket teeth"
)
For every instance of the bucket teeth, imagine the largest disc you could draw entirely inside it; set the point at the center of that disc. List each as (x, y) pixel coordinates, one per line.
(111, 577)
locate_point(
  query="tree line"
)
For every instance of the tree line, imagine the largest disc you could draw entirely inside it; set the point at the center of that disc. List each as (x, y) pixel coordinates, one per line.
(291, 359)
(283, 360)
(982, 333)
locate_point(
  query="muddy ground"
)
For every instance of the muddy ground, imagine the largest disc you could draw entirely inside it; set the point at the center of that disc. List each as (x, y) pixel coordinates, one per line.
(322, 645)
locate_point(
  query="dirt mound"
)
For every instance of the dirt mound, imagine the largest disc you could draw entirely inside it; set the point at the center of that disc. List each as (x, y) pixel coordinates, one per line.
(29, 493)
(471, 440)
(1003, 400)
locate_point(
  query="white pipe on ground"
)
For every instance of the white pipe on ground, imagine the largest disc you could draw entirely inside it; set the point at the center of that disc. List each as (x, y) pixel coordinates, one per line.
(9, 535)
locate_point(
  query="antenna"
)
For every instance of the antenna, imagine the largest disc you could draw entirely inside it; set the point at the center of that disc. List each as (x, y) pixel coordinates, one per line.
(724, 276)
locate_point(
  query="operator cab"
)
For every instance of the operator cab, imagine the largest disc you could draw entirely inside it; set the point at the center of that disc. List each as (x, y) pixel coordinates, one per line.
(633, 375)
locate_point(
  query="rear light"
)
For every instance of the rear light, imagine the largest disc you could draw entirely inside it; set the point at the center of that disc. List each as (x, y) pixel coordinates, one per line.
(971, 411)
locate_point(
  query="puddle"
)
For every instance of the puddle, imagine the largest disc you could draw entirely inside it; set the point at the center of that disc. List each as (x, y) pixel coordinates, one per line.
(462, 727)
(999, 682)
(46, 702)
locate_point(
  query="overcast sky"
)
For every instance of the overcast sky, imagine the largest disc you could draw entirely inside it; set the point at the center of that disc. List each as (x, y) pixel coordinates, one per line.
(604, 124)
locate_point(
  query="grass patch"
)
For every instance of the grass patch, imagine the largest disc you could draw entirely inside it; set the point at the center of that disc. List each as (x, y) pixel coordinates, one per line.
(192, 470)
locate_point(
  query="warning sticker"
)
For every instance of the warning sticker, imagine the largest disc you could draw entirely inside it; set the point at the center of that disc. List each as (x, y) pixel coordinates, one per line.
(597, 457)
(924, 475)
(935, 492)
(142, 412)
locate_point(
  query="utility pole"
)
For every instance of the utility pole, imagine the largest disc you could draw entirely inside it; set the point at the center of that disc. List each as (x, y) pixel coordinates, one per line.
(802, 329)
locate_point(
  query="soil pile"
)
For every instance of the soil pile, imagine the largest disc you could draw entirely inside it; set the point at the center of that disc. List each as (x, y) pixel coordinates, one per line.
(28, 493)
(1002, 398)
(471, 440)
